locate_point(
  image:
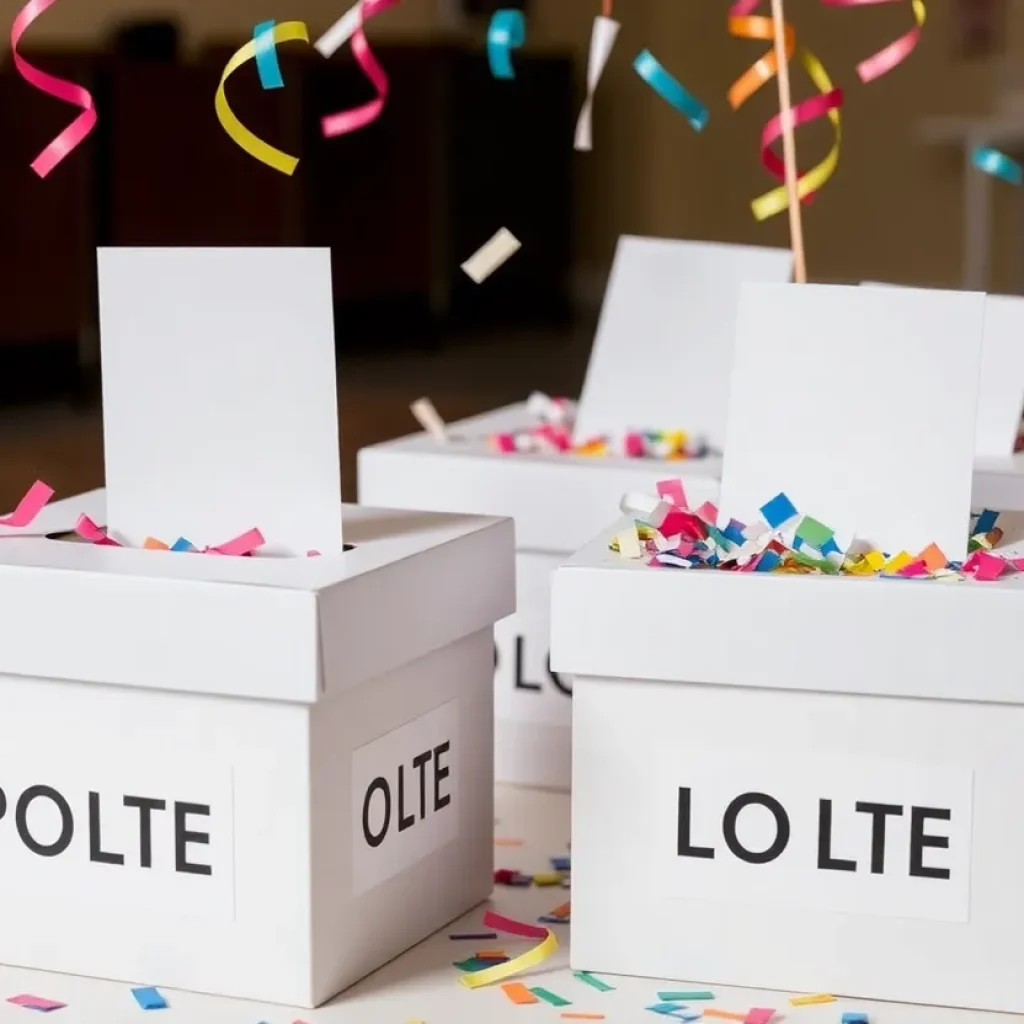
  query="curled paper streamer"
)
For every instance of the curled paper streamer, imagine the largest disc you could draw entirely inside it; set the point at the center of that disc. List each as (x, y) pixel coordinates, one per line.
(290, 31)
(350, 26)
(825, 105)
(743, 25)
(602, 39)
(59, 89)
(896, 52)
(267, 66)
(30, 506)
(518, 964)
(999, 165)
(88, 530)
(506, 32)
(670, 89)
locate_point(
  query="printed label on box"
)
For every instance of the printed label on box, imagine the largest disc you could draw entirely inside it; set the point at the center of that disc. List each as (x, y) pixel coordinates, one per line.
(149, 837)
(848, 835)
(525, 688)
(405, 799)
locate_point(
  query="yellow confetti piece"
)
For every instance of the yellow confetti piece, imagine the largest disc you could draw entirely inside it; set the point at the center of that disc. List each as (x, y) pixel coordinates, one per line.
(811, 1000)
(287, 32)
(875, 559)
(538, 954)
(898, 562)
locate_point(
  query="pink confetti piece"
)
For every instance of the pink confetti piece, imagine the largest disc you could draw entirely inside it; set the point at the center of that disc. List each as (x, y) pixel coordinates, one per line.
(914, 570)
(37, 1003)
(758, 1015)
(987, 567)
(672, 492)
(708, 512)
(59, 89)
(634, 446)
(244, 544)
(30, 506)
(88, 530)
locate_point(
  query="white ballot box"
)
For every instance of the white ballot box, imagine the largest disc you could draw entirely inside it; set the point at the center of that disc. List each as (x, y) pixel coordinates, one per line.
(661, 361)
(261, 776)
(816, 773)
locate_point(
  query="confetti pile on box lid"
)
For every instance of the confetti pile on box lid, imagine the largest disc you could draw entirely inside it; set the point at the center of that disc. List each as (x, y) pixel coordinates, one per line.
(667, 532)
(553, 434)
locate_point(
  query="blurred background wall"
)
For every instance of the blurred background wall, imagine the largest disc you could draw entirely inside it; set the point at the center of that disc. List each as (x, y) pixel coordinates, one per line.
(893, 211)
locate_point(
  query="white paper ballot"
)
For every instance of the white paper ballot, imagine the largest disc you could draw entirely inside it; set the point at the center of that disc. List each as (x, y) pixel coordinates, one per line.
(860, 405)
(663, 351)
(220, 396)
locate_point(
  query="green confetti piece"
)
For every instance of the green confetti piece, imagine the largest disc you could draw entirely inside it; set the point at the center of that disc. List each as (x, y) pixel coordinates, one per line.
(678, 997)
(810, 531)
(588, 979)
(549, 997)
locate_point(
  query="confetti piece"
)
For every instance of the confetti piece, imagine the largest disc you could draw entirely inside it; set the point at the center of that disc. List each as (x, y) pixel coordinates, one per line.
(30, 506)
(152, 544)
(538, 954)
(507, 841)
(430, 420)
(37, 1003)
(602, 40)
(244, 544)
(896, 52)
(546, 878)
(561, 911)
(681, 997)
(717, 1014)
(671, 90)
(506, 32)
(563, 863)
(83, 124)
(589, 979)
(550, 997)
(999, 165)
(289, 31)
(582, 1016)
(986, 521)
(267, 66)
(758, 1016)
(88, 530)
(667, 1009)
(491, 255)
(854, 1017)
(473, 936)
(346, 121)
(813, 1000)
(519, 993)
(491, 954)
(149, 998)
(742, 25)
(777, 512)
(474, 965)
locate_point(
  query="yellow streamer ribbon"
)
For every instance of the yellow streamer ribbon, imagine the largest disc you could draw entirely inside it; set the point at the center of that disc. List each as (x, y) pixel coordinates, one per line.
(537, 954)
(777, 200)
(288, 32)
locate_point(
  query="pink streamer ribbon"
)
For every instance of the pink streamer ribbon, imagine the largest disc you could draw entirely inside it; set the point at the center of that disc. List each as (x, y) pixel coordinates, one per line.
(75, 132)
(347, 121)
(882, 62)
(29, 507)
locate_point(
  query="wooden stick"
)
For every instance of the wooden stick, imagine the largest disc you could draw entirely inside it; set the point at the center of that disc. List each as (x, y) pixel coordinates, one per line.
(796, 226)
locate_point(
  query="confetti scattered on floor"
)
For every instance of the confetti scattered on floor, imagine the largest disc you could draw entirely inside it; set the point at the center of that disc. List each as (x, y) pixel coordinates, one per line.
(37, 1003)
(590, 979)
(667, 532)
(682, 997)
(812, 1000)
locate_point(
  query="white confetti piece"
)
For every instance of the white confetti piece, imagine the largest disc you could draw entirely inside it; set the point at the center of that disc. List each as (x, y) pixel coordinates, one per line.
(602, 39)
(486, 260)
(429, 419)
(340, 32)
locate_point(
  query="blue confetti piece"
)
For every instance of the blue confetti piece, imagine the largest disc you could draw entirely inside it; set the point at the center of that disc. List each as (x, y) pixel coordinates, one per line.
(830, 547)
(549, 919)
(149, 998)
(561, 864)
(734, 531)
(855, 1017)
(768, 561)
(778, 511)
(999, 165)
(667, 1009)
(266, 56)
(182, 545)
(986, 521)
(671, 90)
(506, 32)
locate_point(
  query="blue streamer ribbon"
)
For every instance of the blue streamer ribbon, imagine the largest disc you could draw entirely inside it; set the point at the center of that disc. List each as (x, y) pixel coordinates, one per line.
(506, 32)
(999, 165)
(266, 56)
(671, 90)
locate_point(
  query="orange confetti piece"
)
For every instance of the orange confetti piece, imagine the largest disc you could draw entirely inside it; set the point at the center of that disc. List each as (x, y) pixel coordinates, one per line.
(501, 841)
(519, 993)
(491, 954)
(724, 1014)
(582, 1016)
(152, 544)
(933, 558)
(563, 911)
